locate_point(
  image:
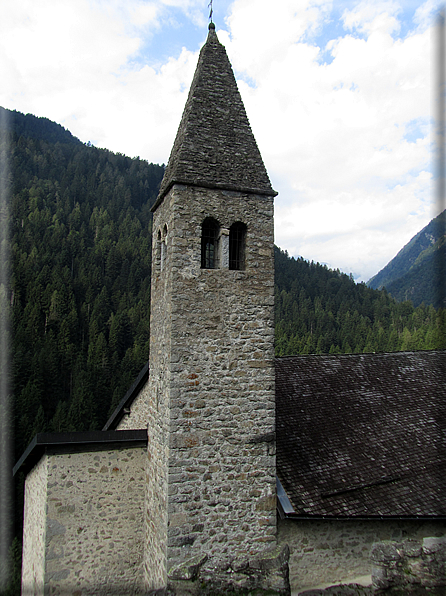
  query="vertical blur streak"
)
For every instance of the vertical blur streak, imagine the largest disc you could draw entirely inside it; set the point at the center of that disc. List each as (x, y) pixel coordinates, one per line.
(440, 100)
(6, 512)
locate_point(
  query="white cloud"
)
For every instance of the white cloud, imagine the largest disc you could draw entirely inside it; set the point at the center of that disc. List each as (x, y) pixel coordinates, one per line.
(354, 231)
(343, 128)
(427, 11)
(75, 62)
(335, 134)
(370, 17)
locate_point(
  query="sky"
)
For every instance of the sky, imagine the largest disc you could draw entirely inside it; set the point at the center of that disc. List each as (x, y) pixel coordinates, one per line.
(344, 99)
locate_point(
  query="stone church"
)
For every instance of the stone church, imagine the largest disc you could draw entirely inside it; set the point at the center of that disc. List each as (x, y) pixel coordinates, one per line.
(225, 470)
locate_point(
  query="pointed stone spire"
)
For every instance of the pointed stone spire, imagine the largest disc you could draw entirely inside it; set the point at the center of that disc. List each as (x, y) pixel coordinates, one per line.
(215, 147)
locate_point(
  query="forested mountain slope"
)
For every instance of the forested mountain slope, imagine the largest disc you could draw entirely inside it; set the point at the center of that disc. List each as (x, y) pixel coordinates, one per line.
(79, 291)
(29, 126)
(79, 295)
(417, 272)
(320, 311)
(80, 250)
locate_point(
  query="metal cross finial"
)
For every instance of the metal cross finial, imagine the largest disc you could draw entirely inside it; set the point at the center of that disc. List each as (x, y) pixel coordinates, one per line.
(210, 6)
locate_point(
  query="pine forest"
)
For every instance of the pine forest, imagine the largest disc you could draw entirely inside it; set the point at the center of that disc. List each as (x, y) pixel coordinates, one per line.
(78, 295)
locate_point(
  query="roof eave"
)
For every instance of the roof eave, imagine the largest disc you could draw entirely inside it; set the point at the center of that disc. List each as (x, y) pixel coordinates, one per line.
(299, 517)
(68, 441)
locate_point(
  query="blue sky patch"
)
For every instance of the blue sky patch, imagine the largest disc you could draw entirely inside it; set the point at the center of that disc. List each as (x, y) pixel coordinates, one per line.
(416, 129)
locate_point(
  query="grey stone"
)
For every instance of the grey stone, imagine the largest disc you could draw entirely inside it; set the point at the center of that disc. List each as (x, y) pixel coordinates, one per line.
(412, 548)
(433, 545)
(273, 558)
(60, 575)
(54, 528)
(415, 565)
(384, 552)
(188, 570)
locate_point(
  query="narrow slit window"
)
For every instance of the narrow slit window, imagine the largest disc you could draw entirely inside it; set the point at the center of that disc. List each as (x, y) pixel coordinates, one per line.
(158, 252)
(163, 248)
(210, 234)
(238, 234)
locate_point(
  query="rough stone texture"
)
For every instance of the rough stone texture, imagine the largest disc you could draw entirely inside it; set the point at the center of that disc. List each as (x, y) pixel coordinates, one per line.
(33, 554)
(359, 590)
(211, 404)
(93, 528)
(187, 570)
(336, 552)
(266, 574)
(137, 419)
(340, 590)
(403, 565)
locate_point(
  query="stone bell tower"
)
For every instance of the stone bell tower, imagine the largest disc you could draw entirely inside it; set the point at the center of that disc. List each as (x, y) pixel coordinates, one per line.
(211, 500)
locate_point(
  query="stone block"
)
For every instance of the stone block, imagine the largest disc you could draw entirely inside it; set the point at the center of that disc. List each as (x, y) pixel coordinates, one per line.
(54, 528)
(379, 578)
(178, 519)
(384, 552)
(188, 570)
(402, 566)
(433, 545)
(411, 548)
(267, 503)
(273, 558)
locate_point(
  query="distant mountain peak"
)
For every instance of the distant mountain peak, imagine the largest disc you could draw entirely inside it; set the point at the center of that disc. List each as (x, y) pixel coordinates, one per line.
(417, 272)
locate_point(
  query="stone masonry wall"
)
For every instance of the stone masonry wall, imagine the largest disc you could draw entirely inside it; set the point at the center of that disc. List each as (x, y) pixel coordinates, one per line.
(214, 327)
(409, 564)
(137, 419)
(94, 531)
(332, 552)
(33, 567)
(158, 401)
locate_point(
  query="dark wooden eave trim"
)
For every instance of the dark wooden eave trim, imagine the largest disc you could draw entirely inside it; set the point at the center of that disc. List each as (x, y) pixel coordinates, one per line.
(77, 441)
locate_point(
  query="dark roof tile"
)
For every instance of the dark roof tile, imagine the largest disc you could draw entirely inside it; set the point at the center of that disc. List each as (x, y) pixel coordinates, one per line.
(362, 435)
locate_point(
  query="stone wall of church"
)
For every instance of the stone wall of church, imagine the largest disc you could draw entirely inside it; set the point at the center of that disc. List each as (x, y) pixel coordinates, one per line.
(90, 522)
(137, 419)
(33, 554)
(409, 564)
(324, 553)
(158, 401)
(217, 384)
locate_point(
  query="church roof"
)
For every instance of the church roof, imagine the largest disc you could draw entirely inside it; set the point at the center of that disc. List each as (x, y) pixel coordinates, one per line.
(362, 435)
(357, 436)
(215, 146)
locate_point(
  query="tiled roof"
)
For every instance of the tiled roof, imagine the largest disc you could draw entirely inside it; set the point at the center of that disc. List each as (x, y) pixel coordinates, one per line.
(362, 435)
(215, 146)
(356, 435)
